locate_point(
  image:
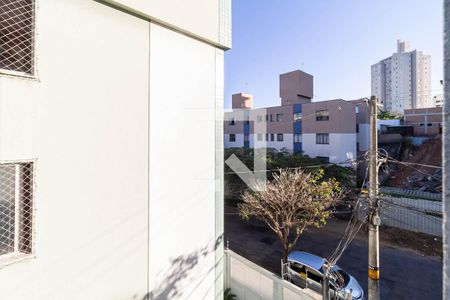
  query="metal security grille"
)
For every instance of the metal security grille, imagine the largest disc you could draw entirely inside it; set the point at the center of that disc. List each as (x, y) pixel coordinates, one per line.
(17, 35)
(16, 208)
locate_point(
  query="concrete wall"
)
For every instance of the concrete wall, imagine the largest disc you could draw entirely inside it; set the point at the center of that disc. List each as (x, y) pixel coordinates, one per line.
(426, 121)
(363, 137)
(119, 212)
(338, 150)
(239, 142)
(446, 150)
(182, 184)
(342, 117)
(287, 143)
(90, 99)
(296, 87)
(249, 281)
(214, 23)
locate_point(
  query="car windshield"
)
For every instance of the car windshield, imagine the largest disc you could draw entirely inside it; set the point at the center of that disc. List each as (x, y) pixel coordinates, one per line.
(340, 278)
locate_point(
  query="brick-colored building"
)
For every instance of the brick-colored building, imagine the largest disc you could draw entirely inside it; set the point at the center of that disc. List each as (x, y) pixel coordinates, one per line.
(425, 121)
(334, 130)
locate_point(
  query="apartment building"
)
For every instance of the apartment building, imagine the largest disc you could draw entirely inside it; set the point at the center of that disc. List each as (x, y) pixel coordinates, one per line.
(425, 121)
(403, 80)
(96, 201)
(438, 100)
(334, 130)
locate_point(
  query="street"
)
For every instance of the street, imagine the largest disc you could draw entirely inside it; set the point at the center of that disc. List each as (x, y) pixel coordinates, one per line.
(405, 274)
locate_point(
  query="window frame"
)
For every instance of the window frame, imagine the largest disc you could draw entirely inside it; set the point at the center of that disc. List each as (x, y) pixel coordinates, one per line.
(322, 115)
(322, 138)
(232, 140)
(33, 75)
(280, 137)
(17, 255)
(279, 117)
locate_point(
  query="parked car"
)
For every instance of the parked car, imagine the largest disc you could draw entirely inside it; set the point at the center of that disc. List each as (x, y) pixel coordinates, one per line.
(304, 268)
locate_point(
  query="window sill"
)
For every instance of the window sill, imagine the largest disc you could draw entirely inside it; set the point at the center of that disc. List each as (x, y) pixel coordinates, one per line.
(15, 74)
(12, 258)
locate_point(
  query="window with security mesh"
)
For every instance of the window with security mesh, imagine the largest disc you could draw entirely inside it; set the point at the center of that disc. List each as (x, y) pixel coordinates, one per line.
(16, 208)
(17, 36)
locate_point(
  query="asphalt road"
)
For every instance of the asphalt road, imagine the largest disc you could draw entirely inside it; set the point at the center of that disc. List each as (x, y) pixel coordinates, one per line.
(405, 274)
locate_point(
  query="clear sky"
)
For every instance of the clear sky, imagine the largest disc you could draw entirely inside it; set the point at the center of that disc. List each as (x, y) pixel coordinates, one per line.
(334, 40)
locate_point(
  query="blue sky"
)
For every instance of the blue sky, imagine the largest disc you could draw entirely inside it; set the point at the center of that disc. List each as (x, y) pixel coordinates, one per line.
(334, 40)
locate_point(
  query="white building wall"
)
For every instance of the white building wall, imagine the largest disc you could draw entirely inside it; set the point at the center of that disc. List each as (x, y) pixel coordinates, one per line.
(363, 136)
(341, 147)
(182, 187)
(111, 219)
(84, 119)
(239, 142)
(287, 143)
(188, 16)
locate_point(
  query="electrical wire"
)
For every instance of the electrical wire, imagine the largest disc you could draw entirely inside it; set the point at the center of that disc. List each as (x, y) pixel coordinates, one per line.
(352, 227)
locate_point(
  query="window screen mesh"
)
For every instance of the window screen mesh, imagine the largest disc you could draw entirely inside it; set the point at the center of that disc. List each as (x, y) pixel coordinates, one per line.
(16, 207)
(17, 35)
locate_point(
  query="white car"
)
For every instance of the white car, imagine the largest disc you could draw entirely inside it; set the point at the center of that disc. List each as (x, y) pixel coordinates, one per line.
(307, 269)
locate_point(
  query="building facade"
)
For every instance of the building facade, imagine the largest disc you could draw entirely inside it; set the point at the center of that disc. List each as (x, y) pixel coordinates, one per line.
(438, 100)
(335, 130)
(403, 81)
(425, 121)
(96, 201)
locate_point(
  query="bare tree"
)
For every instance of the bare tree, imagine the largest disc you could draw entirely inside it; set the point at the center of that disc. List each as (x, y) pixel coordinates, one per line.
(292, 201)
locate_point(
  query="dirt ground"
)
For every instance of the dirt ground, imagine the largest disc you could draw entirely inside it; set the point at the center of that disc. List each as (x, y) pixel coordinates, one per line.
(429, 153)
(419, 242)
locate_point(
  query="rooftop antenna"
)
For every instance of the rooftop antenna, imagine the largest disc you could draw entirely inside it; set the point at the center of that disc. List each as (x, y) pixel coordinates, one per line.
(302, 65)
(246, 87)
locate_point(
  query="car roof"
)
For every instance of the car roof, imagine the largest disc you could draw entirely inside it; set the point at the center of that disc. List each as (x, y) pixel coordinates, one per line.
(308, 259)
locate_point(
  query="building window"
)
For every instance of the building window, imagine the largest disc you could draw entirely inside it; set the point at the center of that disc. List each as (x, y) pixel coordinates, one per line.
(271, 118)
(357, 128)
(267, 118)
(279, 137)
(267, 136)
(322, 138)
(357, 109)
(259, 136)
(322, 115)
(17, 36)
(272, 137)
(231, 122)
(16, 208)
(279, 117)
(232, 138)
(297, 117)
(297, 138)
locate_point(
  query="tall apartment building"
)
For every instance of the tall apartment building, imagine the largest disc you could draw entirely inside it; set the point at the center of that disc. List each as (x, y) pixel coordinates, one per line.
(403, 81)
(333, 130)
(96, 201)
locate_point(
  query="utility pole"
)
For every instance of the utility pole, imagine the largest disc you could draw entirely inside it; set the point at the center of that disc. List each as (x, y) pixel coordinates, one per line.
(326, 281)
(374, 218)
